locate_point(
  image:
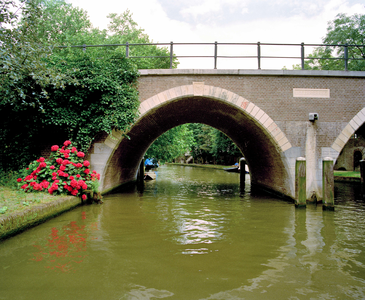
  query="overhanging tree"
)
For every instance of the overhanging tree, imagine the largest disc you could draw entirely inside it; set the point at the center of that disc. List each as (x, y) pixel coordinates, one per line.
(104, 99)
(78, 94)
(75, 93)
(24, 73)
(24, 77)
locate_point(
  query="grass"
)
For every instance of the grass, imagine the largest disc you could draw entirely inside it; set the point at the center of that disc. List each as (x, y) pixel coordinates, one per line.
(202, 165)
(354, 174)
(12, 200)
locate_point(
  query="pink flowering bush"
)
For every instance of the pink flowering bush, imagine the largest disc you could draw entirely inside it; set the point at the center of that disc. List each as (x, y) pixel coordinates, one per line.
(65, 172)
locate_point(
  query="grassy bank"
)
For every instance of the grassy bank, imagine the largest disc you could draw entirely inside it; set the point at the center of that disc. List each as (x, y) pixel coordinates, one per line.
(219, 167)
(347, 176)
(12, 200)
(353, 174)
(20, 210)
(339, 175)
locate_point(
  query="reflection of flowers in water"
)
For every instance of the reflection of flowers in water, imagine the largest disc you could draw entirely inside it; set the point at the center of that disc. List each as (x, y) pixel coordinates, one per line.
(64, 248)
(196, 231)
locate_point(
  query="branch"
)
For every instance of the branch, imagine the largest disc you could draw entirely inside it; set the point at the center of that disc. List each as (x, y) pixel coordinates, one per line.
(3, 8)
(361, 52)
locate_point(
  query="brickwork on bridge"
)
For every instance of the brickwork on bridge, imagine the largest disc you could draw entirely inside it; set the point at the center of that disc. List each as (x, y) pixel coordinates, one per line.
(274, 94)
(267, 110)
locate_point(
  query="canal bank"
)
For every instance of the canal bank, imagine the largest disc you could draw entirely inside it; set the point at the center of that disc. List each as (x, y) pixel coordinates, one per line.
(206, 166)
(19, 221)
(339, 176)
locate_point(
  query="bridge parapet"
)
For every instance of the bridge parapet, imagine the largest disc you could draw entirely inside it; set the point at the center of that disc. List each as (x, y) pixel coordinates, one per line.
(307, 73)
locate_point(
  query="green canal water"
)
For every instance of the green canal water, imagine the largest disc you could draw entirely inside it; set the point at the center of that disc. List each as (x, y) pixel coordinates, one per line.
(190, 235)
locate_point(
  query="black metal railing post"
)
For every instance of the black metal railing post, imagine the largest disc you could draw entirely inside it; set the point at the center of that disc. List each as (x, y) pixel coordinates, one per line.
(171, 54)
(126, 49)
(346, 58)
(215, 54)
(259, 55)
(302, 55)
(84, 47)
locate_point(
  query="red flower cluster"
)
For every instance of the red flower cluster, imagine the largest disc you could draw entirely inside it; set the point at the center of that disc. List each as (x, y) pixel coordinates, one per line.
(65, 172)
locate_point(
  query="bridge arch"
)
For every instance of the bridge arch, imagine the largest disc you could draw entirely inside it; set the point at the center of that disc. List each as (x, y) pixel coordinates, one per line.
(258, 137)
(356, 122)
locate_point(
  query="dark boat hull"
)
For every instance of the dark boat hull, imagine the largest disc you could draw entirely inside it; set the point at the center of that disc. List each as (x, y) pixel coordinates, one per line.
(233, 170)
(149, 167)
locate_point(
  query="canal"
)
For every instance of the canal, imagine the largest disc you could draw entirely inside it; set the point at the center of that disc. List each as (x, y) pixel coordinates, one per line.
(190, 235)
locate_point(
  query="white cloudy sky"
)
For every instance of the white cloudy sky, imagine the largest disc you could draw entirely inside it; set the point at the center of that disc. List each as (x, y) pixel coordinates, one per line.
(228, 21)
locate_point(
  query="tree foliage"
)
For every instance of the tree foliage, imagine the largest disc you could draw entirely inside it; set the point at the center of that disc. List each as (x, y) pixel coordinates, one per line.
(172, 144)
(224, 150)
(204, 143)
(212, 145)
(63, 24)
(67, 93)
(342, 30)
(123, 29)
(24, 73)
(202, 147)
(104, 99)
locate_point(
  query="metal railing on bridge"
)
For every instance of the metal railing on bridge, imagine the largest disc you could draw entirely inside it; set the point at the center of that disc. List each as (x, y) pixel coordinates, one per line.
(258, 55)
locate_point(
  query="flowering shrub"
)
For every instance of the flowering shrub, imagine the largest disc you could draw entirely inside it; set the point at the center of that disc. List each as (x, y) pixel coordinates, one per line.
(65, 172)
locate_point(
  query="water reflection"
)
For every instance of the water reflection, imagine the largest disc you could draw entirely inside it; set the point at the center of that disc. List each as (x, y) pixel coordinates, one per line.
(190, 235)
(65, 247)
(141, 292)
(197, 231)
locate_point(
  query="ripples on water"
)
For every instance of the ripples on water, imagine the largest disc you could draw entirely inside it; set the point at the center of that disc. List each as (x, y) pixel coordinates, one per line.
(190, 235)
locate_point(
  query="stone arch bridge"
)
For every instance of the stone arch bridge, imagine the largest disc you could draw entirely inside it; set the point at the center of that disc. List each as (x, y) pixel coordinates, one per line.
(266, 113)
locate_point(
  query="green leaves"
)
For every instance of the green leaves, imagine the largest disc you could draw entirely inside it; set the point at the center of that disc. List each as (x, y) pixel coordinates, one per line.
(342, 30)
(105, 99)
(172, 144)
(3, 209)
(51, 93)
(24, 72)
(203, 142)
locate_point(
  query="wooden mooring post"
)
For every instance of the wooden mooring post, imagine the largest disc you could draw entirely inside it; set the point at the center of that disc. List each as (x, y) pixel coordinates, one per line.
(362, 173)
(300, 183)
(328, 184)
(140, 176)
(242, 166)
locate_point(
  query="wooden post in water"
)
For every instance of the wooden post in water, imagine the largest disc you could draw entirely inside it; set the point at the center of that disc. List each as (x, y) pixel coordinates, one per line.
(242, 166)
(300, 183)
(362, 173)
(140, 176)
(328, 184)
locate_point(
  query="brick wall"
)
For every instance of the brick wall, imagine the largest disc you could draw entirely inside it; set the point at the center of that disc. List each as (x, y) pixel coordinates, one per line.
(274, 95)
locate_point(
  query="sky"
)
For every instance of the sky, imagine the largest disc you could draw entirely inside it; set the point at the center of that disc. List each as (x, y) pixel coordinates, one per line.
(228, 21)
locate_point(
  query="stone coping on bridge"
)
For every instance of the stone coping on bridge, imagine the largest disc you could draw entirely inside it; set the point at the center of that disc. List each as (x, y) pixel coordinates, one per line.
(243, 72)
